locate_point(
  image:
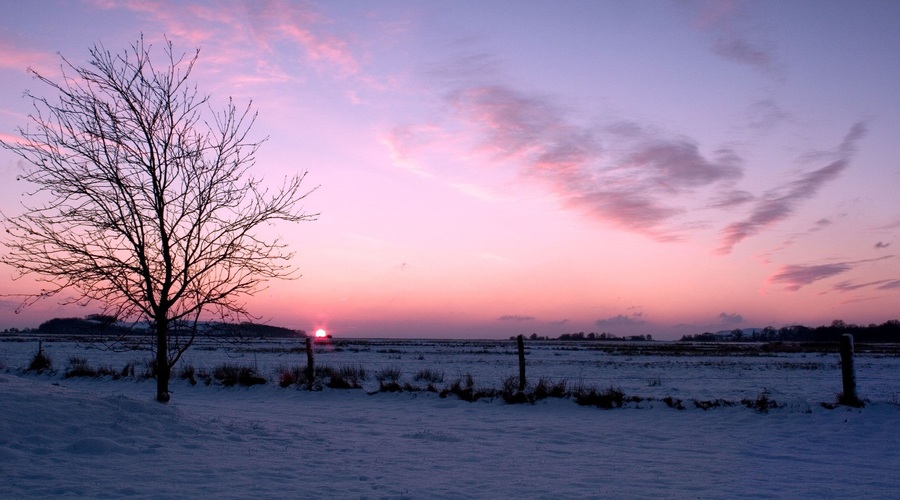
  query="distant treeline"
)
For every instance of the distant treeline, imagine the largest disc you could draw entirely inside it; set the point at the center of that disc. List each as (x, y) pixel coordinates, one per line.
(98, 324)
(888, 331)
(591, 336)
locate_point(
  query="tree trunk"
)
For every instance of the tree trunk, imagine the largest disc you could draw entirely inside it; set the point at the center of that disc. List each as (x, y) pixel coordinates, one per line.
(310, 364)
(162, 361)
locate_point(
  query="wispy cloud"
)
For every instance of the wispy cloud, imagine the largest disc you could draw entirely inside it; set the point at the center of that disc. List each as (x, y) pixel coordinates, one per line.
(780, 202)
(11, 139)
(734, 47)
(321, 48)
(796, 276)
(849, 286)
(766, 114)
(621, 320)
(890, 285)
(882, 245)
(241, 32)
(892, 225)
(626, 174)
(406, 142)
(730, 319)
(821, 224)
(515, 317)
(732, 198)
(733, 39)
(633, 186)
(17, 58)
(464, 69)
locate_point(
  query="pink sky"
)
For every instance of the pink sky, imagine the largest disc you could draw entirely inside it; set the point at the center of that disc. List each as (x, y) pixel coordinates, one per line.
(490, 169)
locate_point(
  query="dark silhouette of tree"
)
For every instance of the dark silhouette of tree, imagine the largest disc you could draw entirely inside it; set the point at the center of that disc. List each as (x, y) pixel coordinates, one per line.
(888, 331)
(143, 200)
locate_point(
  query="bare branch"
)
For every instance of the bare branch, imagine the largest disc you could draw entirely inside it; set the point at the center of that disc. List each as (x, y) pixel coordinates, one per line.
(143, 200)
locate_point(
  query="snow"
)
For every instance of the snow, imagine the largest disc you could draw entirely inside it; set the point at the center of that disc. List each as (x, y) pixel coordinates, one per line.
(93, 438)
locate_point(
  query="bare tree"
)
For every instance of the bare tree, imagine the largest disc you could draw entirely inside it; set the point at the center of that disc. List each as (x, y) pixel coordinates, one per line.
(143, 201)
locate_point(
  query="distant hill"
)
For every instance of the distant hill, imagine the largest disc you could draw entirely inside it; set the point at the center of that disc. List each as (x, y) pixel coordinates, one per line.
(84, 326)
(105, 325)
(251, 330)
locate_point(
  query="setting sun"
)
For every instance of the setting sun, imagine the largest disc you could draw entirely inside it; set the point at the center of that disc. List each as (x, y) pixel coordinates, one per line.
(731, 150)
(321, 333)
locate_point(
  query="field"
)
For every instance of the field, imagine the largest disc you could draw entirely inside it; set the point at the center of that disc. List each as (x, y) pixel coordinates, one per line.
(100, 437)
(798, 376)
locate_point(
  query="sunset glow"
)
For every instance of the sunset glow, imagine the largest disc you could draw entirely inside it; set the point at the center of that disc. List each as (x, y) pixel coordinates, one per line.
(505, 168)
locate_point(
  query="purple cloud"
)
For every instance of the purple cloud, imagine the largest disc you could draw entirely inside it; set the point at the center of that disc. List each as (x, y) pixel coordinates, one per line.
(732, 198)
(240, 32)
(512, 121)
(779, 203)
(624, 174)
(515, 317)
(677, 164)
(735, 48)
(732, 39)
(633, 188)
(765, 114)
(621, 320)
(730, 319)
(18, 58)
(880, 245)
(794, 277)
(890, 285)
(630, 210)
(849, 286)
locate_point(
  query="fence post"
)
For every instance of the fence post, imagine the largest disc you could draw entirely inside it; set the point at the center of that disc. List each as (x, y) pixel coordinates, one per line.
(848, 372)
(310, 363)
(520, 340)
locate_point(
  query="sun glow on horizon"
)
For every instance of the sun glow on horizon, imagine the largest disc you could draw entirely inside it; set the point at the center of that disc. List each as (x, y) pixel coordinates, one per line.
(499, 187)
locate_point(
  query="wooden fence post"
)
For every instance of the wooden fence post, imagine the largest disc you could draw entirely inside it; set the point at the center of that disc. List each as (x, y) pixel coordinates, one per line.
(310, 363)
(848, 372)
(520, 340)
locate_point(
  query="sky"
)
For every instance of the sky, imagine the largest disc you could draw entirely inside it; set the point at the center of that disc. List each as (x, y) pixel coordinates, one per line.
(488, 169)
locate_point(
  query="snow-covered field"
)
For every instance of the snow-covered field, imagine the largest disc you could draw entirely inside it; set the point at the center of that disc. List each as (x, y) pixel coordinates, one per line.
(67, 437)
